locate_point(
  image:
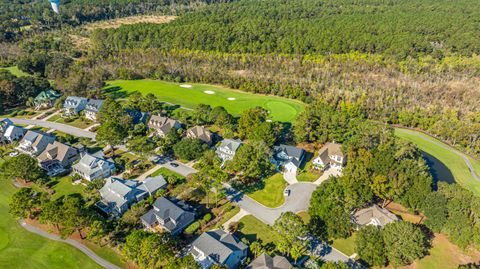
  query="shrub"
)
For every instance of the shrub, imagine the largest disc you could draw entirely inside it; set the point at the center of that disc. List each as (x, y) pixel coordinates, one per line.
(207, 217)
(192, 228)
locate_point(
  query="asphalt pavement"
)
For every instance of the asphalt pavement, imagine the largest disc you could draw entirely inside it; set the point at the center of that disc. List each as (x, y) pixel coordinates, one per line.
(57, 126)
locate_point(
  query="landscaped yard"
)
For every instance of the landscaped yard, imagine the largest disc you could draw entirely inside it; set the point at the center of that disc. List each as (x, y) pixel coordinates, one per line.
(454, 162)
(79, 122)
(281, 109)
(305, 216)
(15, 71)
(444, 254)
(347, 245)
(308, 176)
(271, 195)
(63, 186)
(165, 172)
(253, 229)
(22, 249)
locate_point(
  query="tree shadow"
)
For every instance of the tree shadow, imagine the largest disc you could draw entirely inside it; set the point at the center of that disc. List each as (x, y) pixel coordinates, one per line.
(116, 92)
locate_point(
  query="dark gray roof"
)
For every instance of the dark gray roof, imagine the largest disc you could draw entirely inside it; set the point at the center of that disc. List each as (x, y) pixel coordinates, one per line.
(173, 215)
(291, 151)
(137, 116)
(264, 261)
(218, 245)
(94, 105)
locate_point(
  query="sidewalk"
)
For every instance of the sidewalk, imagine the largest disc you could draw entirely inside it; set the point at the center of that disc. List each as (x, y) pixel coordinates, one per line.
(235, 218)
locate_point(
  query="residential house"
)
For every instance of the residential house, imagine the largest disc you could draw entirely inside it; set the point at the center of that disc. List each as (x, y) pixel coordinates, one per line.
(57, 157)
(137, 116)
(288, 157)
(218, 247)
(330, 155)
(73, 105)
(34, 143)
(200, 133)
(119, 194)
(373, 215)
(10, 132)
(168, 215)
(265, 261)
(46, 99)
(93, 166)
(92, 108)
(163, 125)
(227, 149)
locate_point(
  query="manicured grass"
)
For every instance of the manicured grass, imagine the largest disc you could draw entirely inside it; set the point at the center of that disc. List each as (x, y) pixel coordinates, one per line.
(271, 195)
(281, 109)
(307, 176)
(228, 215)
(444, 254)
(305, 216)
(15, 71)
(254, 229)
(63, 187)
(107, 254)
(347, 245)
(79, 122)
(22, 249)
(454, 162)
(165, 172)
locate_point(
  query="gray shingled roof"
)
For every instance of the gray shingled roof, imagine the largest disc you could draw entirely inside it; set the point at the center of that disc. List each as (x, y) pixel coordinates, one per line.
(218, 245)
(291, 151)
(73, 101)
(94, 105)
(170, 213)
(152, 184)
(264, 261)
(231, 144)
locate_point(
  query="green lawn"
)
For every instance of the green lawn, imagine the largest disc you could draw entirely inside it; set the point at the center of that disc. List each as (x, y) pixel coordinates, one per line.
(63, 186)
(281, 109)
(15, 71)
(347, 245)
(271, 195)
(165, 172)
(307, 176)
(305, 217)
(79, 122)
(454, 162)
(22, 249)
(254, 229)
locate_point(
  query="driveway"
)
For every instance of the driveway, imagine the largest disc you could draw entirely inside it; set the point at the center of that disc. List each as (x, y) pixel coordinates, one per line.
(57, 126)
(299, 200)
(181, 169)
(326, 174)
(290, 178)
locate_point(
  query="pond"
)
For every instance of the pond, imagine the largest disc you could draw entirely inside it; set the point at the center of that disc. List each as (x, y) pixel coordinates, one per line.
(439, 170)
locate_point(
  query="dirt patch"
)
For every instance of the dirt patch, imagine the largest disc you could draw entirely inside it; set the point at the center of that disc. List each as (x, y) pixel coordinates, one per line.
(129, 20)
(401, 211)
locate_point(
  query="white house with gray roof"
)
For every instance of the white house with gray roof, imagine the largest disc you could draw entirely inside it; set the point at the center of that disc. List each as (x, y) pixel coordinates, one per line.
(34, 143)
(266, 261)
(288, 157)
(92, 166)
(227, 149)
(10, 132)
(373, 215)
(73, 105)
(218, 247)
(92, 108)
(168, 215)
(119, 194)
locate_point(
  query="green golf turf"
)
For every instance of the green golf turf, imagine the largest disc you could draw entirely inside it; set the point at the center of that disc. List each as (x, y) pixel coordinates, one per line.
(449, 158)
(15, 71)
(22, 249)
(281, 109)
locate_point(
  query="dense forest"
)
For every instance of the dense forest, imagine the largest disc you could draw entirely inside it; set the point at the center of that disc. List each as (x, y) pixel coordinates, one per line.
(18, 17)
(396, 28)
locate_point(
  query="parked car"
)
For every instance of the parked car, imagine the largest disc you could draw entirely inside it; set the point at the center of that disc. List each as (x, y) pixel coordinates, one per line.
(286, 193)
(174, 164)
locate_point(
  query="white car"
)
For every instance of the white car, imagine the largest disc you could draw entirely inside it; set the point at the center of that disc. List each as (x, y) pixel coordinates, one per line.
(13, 154)
(286, 193)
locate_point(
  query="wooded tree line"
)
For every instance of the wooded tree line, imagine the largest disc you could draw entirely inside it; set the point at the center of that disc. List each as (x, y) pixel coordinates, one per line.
(398, 29)
(18, 18)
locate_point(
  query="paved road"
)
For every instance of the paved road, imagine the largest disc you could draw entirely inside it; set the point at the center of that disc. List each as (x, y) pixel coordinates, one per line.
(71, 242)
(299, 200)
(438, 143)
(181, 169)
(57, 126)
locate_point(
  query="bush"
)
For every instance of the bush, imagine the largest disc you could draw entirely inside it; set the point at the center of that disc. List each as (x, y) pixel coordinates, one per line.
(192, 228)
(207, 217)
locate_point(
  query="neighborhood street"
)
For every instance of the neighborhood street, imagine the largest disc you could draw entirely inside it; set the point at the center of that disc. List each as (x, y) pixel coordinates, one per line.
(54, 125)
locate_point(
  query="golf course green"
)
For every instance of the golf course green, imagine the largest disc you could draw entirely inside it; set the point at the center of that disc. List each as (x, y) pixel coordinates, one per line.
(22, 249)
(447, 155)
(189, 95)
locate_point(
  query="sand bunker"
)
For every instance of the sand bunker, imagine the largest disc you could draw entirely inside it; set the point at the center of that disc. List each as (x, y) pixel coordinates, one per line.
(231, 99)
(209, 92)
(185, 85)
